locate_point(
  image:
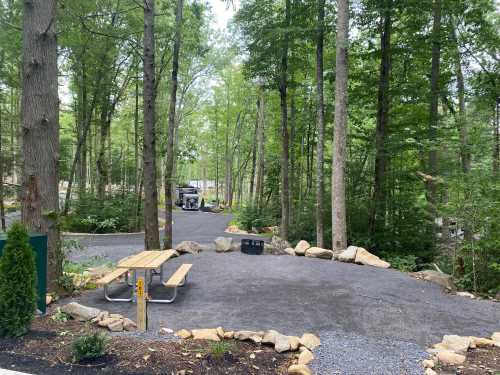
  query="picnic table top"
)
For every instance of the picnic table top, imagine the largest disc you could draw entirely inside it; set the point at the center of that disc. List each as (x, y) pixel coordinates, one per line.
(148, 259)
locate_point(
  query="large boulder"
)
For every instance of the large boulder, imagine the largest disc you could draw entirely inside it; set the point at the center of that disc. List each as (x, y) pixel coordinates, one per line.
(448, 357)
(496, 337)
(458, 344)
(299, 370)
(368, 259)
(305, 357)
(290, 251)
(317, 252)
(223, 244)
(301, 247)
(190, 247)
(436, 277)
(256, 337)
(310, 341)
(205, 334)
(80, 312)
(279, 243)
(348, 255)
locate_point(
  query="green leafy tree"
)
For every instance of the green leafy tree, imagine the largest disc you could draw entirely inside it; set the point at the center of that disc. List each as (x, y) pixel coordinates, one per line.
(17, 283)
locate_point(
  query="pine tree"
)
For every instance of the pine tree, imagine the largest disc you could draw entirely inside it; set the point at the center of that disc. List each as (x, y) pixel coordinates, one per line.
(17, 283)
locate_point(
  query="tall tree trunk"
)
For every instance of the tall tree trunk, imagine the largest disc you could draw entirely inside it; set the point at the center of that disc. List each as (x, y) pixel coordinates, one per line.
(465, 156)
(496, 139)
(433, 114)
(102, 168)
(82, 162)
(216, 157)
(320, 183)
(152, 235)
(169, 169)
(136, 136)
(378, 209)
(2, 206)
(259, 184)
(40, 128)
(339, 226)
(254, 156)
(283, 85)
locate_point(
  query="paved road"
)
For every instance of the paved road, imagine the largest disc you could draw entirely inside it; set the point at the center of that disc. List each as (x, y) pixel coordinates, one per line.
(202, 227)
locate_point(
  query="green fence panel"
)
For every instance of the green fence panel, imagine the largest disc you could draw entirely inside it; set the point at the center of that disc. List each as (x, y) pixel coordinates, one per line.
(39, 244)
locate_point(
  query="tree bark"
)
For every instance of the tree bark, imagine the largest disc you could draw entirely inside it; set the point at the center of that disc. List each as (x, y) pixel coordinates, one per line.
(2, 206)
(433, 113)
(82, 162)
(339, 226)
(40, 128)
(378, 209)
(320, 183)
(254, 156)
(169, 168)
(102, 168)
(136, 136)
(283, 85)
(496, 139)
(259, 183)
(152, 236)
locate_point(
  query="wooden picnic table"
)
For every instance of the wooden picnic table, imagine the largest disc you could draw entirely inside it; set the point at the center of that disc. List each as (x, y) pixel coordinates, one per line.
(146, 261)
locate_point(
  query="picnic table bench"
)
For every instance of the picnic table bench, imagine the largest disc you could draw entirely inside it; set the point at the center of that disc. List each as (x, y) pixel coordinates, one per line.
(146, 261)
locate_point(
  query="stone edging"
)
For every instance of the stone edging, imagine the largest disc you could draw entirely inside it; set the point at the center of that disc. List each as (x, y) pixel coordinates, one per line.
(452, 350)
(102, 318)
(303, 345)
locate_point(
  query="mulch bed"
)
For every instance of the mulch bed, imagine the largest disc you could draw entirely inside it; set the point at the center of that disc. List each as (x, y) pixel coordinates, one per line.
(480, 361)
(46, 349)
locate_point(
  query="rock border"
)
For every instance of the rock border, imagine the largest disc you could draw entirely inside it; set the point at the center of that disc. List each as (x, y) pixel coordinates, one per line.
(452, 350)
(303, 346)
(101, 318)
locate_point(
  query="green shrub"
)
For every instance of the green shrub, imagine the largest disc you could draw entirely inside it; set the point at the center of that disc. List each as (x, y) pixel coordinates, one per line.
(90, 346)
(219, 348)
(67, 283)
(117, 213)
(404, 263)
(60, 316)
(249, 217)
(17, 283)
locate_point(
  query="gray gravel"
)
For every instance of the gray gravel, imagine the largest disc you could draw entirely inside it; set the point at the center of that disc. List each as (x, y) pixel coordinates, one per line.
(370, 320)
(351, 354)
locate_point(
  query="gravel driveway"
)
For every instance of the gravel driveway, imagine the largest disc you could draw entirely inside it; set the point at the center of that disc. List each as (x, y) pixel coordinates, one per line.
(371, 321)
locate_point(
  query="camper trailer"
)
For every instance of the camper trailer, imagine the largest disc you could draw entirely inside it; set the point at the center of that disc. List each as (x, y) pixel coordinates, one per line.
(187, 198)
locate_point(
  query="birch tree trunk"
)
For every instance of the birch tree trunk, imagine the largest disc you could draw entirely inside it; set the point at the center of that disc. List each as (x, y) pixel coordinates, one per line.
(169, 168)
(378, 209)
(283, 85)
(339, 226)
(152, 235)
(320, 183)
(40, 128)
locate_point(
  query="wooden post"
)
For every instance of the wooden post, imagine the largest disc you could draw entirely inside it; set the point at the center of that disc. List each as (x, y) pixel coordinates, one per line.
(142, 315)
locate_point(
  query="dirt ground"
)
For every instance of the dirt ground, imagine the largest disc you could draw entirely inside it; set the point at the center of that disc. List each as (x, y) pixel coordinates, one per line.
(46, 350)
(480, 361)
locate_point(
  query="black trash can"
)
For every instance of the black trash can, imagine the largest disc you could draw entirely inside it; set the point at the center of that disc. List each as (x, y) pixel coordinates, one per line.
(252, 247)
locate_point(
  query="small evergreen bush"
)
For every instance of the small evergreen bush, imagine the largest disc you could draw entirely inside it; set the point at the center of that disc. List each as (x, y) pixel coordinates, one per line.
(17, 283)
(90, 346)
